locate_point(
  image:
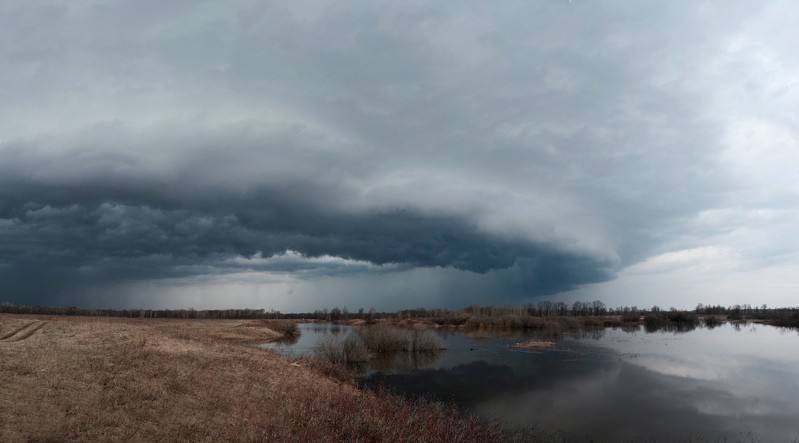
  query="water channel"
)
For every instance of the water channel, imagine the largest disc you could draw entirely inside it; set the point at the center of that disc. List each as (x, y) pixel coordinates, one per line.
(729, 383)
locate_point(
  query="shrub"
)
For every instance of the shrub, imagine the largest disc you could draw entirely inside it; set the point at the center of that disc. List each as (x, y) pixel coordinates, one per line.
(329, 348)
(286, 327)
(422, 341)
(354, 349)
(630, 317)
(358, 345)
(387, 339)
(349, 350)
(381, 338)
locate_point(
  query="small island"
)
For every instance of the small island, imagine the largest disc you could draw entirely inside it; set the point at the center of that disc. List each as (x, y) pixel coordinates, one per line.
(534, 344)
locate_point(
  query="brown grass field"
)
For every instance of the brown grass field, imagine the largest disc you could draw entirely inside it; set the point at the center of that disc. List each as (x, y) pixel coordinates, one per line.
(87, 379)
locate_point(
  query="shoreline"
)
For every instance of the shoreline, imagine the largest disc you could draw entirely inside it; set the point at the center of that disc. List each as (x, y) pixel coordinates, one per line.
(111, 379)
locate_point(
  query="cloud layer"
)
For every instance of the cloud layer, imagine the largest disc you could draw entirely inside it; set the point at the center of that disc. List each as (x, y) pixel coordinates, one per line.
(529, 149)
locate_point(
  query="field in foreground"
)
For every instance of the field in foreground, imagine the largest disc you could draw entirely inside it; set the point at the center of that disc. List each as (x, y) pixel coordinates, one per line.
(100, 379)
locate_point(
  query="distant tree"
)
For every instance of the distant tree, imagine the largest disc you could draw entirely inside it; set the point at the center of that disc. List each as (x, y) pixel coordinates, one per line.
(598, 307)
(545, 308)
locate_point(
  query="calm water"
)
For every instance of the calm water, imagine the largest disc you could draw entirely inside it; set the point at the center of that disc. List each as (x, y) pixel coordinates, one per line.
(733, 383)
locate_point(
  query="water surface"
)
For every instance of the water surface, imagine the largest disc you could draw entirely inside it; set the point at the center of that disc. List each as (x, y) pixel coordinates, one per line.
(739, 383)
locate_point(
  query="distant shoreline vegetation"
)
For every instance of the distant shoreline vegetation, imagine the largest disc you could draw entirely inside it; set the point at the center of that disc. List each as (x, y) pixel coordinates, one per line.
(544, 315)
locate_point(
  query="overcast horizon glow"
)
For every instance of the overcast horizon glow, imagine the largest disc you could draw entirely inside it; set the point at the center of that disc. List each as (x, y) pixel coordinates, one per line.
(312, 154)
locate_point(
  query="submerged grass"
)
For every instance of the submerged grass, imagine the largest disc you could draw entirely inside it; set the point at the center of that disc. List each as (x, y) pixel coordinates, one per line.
(365, 341)
(383, 338)
(334, 349)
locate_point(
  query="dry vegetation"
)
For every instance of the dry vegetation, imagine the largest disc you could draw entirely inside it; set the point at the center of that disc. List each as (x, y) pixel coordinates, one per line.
(534, 344)
(99, 379)
(381, 339)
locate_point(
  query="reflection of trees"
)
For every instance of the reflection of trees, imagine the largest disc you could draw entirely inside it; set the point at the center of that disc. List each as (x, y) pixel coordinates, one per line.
(403, 361)
(711, 321)
(466, 383)
(444, 333)
(319, 328)
(677, 328)
(479, 338)
(471, 383)
(736, 325)
(592, 333)
(672, 321)
(631, 329)
(661, 325)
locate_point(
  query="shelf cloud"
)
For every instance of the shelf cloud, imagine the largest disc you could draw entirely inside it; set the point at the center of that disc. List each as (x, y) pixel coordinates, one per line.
(393, 154)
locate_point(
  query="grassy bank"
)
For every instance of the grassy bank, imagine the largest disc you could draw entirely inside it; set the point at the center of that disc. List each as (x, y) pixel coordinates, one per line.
(98, 379)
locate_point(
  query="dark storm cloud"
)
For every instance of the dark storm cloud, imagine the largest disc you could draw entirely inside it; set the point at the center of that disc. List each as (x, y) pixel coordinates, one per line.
(543, 145)
(105, 231)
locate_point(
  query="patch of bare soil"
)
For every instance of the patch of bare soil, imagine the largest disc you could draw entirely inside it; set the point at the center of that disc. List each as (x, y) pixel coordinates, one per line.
(22, 332)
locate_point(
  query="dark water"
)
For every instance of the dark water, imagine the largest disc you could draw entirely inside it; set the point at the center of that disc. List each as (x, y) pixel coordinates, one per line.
(723, 384)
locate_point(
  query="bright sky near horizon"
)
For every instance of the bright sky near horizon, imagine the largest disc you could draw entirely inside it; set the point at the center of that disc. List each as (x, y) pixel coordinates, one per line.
(309, 154)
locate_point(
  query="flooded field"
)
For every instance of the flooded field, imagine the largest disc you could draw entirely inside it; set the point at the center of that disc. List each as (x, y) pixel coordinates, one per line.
(733, 382)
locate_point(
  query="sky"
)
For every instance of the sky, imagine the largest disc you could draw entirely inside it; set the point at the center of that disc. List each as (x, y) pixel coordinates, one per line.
(310, 154)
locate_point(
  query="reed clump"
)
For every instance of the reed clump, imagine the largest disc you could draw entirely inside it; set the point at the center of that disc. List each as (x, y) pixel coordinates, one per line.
(286, 327)
(387, 339)
(334, 349)
(358, 346)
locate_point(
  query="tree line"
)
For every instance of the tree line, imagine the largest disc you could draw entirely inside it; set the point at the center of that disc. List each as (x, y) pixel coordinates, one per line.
(779, 316)
(143, 313)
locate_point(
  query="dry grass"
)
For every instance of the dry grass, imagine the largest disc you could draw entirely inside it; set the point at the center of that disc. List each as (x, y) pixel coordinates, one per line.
(99, 379)
(334, 349)
(286, 328)
(384, 338)
(10, 326)
(365, 341)
(534, 344)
